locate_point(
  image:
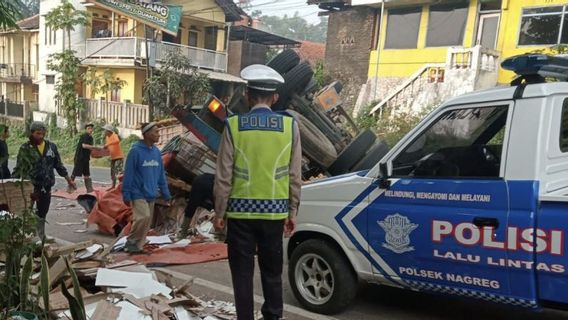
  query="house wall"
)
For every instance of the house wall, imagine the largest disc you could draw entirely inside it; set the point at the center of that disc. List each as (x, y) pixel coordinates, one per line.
(243, 54)
(349, 41)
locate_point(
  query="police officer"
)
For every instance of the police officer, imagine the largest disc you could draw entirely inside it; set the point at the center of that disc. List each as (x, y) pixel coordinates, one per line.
(257, 188)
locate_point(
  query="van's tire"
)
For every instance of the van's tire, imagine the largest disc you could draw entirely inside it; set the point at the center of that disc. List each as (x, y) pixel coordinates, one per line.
(372, 157)
(295, 81)
(315, 145)
(352, 153)
(333, 279)
(284, 61)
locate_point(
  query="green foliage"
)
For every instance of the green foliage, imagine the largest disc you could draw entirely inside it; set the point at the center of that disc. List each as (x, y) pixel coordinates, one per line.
(9, 14)
(109, 83)
(76, 305)
(321, 77)
(92, 80)
(67, 65)
(44, 283)
(393, 124)
(294, 27)
(65, 17)
(175, 78)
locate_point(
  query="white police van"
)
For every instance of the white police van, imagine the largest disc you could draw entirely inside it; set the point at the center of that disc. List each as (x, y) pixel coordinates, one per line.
(472, 202)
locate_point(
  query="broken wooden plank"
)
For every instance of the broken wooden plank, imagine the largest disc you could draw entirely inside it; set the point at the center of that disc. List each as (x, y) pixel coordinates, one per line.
(56, 271)
(53, 251)
(106, 311)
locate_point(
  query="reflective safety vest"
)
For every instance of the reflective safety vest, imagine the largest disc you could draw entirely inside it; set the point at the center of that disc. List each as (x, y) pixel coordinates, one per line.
(262, 142)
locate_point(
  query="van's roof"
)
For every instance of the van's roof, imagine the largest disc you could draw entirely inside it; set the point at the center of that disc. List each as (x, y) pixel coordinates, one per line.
(507, 92)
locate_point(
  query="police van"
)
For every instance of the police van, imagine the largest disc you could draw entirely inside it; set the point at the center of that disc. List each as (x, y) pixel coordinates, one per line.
(472, 202)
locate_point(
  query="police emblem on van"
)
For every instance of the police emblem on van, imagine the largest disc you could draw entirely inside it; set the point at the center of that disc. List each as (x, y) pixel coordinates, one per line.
(397, 233)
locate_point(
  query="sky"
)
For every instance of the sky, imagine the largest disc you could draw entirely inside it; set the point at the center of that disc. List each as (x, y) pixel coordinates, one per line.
(282, 7)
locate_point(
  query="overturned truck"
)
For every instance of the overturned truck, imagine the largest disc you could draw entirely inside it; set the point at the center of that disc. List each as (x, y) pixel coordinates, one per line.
(332, 144)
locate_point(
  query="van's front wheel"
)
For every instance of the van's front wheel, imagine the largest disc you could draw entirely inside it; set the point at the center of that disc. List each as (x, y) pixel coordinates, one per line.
(321, 277)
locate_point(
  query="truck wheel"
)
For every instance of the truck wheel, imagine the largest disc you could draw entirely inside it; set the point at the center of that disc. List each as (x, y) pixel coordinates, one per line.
(315, 145)
(294, 81)
(376, 153)
(284, 61)
(321, 277)
(352, 153)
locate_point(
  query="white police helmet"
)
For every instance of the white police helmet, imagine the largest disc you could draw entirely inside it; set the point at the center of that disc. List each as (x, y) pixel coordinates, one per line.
(261, 77)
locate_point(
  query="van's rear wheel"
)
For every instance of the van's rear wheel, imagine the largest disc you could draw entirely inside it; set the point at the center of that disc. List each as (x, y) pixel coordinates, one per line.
(321, 277)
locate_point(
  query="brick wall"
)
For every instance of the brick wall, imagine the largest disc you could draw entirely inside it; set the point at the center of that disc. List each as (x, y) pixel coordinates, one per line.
(349, 41)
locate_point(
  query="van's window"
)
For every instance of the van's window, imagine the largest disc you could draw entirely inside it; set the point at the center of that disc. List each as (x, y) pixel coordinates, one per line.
(460, 143)
(402, 28)
(564, 127)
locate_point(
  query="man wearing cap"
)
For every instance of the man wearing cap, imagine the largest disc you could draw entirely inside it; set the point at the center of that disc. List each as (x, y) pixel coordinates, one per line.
(112, 144)
(143, 175)
(36, 161)
(81, 163)
(257, 188)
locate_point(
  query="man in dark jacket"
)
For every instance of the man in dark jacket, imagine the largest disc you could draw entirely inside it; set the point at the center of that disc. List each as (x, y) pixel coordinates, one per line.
(36, 161)
(4, 135)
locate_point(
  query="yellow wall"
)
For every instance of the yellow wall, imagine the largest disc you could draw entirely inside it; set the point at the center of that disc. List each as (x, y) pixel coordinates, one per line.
(404, 62)
(509, 30)
(132, 90)
(202, 9)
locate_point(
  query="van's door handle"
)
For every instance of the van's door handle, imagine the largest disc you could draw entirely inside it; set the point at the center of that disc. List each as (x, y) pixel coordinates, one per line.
(482, 222)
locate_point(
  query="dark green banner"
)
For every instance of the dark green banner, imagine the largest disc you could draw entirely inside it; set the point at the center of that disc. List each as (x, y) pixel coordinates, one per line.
(160, 16)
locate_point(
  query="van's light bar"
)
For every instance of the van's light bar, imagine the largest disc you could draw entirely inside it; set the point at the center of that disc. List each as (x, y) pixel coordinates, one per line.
(538, 64)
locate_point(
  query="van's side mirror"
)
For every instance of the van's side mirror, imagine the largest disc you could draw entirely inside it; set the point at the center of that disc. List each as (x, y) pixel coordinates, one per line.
(384, 182)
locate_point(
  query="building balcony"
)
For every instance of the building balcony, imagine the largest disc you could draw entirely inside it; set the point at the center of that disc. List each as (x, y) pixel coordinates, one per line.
(130, 51)
(18, 72)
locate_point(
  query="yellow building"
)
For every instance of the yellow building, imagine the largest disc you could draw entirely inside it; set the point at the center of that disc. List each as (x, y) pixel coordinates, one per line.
(414, 33)
(117, 43)
(19, 62)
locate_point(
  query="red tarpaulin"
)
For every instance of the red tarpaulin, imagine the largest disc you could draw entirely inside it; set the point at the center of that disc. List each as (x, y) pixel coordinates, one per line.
(110, 212)
(192, 253)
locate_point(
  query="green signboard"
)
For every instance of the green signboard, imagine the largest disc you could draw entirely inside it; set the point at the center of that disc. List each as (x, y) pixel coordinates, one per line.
(160, 16)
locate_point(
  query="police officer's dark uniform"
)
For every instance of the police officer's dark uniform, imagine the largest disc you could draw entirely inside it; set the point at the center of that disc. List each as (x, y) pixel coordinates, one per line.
(257, 188)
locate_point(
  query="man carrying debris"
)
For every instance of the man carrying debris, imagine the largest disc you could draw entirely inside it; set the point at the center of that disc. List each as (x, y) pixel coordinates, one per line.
(257, 187)
(200, 196)
(143, 175)
(112, 144)
(36, 161)
(81, 165)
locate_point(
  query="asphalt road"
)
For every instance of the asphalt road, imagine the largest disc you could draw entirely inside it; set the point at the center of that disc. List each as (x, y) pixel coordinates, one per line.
(213, 281)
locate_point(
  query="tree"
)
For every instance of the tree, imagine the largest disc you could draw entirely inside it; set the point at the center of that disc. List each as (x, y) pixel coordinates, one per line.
(92, 80)
(65, 17)
(66, 64)
(175, 78)
(294, 27)
(9, 14)
(110, 84)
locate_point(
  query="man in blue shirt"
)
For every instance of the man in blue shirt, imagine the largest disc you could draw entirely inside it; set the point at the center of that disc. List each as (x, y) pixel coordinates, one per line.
(143, 175)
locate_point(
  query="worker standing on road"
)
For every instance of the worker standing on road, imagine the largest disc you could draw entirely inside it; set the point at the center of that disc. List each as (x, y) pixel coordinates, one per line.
(81, 163)
(257, 187)
(35, 161)
(112, 144)
(143, 175)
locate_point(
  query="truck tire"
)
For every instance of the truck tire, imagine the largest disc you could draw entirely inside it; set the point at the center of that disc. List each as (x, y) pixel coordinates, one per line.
(294, 81)
(321, 278)
(352, 153)
(315, 145)
(372, 157)
(284, 61)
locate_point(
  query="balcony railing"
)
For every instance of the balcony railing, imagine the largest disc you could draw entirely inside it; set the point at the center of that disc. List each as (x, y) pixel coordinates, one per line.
(200, 58)
(133, 48)
(18, 71)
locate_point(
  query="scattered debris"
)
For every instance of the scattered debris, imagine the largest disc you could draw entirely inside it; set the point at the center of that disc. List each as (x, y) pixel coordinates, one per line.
(70, 223)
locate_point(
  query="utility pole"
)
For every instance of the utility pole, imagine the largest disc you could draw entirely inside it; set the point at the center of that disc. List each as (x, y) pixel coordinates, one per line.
(148, 75)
